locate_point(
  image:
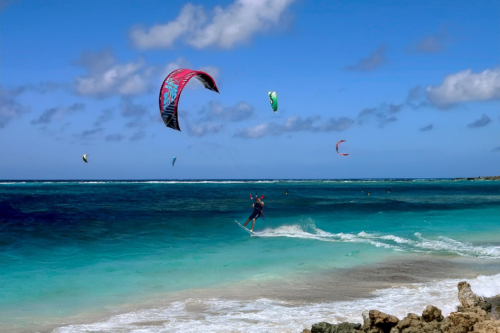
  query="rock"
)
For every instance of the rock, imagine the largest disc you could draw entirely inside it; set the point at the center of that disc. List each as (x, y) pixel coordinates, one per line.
(463, 322)
(465, 295)
(495, 306)
(324, 327)
(306, 331)
(411, 320)
(432, 313)
(356, 326)
(484, 306)
(490, 326)
(379, 321)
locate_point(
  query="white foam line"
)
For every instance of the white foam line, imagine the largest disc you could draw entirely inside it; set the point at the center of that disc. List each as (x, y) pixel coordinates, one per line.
(441, 244)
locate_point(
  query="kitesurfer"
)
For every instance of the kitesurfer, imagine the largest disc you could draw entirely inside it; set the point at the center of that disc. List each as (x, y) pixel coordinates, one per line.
(257, 212)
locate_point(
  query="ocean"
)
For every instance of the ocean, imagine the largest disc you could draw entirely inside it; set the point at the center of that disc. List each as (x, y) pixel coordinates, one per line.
(167, 256)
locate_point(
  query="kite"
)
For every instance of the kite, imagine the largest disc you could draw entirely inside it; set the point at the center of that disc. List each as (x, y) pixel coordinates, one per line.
(85, 158)
(171, 89)
(337, 148)
(273, 98)
(173, 161)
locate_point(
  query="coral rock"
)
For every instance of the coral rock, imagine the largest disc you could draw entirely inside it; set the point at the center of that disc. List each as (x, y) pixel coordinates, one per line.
(380, 321)
(465, 295)
(432, 313)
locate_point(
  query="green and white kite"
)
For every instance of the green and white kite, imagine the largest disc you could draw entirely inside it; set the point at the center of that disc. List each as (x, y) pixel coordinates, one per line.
(273, 98)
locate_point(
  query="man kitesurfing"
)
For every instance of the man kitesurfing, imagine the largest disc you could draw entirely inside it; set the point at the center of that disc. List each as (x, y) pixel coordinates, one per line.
(258, 206)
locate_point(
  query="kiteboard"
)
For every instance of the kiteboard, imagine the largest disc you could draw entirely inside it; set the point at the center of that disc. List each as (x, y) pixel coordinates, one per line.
(244, 228)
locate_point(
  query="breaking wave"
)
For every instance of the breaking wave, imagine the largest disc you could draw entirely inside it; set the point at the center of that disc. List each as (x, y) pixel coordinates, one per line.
(439, 245)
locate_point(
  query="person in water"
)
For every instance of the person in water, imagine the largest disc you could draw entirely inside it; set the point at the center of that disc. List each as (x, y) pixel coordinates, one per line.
(286, 193)
(257, 212)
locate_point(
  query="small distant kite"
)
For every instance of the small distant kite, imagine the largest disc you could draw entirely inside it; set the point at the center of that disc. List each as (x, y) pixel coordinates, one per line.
(337, 148)
(173, 161)
(171, 89)
(85, 158)
(273, 98)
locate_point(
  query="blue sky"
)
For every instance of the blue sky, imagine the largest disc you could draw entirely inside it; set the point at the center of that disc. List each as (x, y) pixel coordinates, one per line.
(412, 86)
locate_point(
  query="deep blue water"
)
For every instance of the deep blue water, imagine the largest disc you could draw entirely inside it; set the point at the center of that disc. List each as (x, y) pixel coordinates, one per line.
(68, 247)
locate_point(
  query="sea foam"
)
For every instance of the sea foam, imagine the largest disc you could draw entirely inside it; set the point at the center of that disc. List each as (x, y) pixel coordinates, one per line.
(439, 245)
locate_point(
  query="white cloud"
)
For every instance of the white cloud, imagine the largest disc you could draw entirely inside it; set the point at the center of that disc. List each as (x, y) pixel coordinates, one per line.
(215, 111)
(200, 130)
(106, 77)
(255, 132)
(228, 26)
(296, 124)
(163, 36)
(176, 64)
(465, 86)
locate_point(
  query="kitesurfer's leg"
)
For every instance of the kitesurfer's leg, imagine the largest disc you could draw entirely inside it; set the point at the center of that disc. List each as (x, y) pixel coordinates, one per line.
(253, 225)
(252, 216)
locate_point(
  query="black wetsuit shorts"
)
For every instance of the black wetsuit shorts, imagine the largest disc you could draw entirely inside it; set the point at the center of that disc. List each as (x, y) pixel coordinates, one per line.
(257, 212)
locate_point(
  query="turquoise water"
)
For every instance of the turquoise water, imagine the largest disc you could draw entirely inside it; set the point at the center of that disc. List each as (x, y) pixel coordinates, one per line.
(70, 248)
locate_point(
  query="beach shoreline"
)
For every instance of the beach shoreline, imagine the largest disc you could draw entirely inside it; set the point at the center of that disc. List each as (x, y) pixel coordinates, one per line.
(340, 286)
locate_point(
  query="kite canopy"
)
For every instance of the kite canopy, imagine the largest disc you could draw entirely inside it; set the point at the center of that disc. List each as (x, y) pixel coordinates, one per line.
(173, 161)
(337, 148)
(171, 89)
(273, 98)
(85, 158)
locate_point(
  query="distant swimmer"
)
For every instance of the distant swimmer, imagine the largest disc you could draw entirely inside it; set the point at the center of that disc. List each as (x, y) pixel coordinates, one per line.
(258, 206)
(367, 193)
(388, 191)
(286, 193)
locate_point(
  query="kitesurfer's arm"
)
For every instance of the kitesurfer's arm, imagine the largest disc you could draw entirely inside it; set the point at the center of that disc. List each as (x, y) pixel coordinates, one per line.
(252, 205)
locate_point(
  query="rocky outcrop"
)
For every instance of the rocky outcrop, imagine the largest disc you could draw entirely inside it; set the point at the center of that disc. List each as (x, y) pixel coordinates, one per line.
(324, 327)
(475, 314)
(379, 322)
(466, 297)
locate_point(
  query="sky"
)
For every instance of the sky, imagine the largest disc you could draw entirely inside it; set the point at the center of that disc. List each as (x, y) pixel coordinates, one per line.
(412, 86)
